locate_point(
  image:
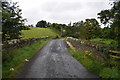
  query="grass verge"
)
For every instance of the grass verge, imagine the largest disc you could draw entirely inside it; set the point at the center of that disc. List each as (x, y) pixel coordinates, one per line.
(105, 69)
(15, 59)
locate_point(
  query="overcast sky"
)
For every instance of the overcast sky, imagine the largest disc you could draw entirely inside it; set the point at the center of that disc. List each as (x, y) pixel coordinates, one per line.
(61, 11)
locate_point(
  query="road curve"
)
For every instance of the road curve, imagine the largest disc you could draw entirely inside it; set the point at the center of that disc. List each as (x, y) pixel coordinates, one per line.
(54, 61)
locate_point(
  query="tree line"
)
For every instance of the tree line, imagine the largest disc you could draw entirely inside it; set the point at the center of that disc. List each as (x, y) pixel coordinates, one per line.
(13, 23)
(90, 28)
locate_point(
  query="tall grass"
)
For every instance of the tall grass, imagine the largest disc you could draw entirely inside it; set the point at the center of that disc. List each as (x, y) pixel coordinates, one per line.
(15, 59)
(105, 69)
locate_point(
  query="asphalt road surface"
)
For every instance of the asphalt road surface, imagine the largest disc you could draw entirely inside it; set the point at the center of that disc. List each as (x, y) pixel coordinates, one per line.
(54, 61)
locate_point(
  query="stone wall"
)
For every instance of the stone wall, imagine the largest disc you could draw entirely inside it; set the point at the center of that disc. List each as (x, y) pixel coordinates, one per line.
(98, 46)
(17, 43)
(98, 49)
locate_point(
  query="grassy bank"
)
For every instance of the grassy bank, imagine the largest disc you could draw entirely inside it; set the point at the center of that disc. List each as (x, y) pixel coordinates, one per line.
(36, 32)
(105, 69)
(15, 59)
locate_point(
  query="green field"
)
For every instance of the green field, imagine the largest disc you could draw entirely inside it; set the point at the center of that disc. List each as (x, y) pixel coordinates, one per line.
(36, 32)
(105, 41)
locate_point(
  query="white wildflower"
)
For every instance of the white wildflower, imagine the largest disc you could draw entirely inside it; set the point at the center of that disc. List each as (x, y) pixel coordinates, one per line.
(26, 60)
(11, 69)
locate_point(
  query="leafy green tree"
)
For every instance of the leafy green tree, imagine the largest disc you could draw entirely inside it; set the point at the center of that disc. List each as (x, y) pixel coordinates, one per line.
(105, 33)
(112, 17)
(30, 25)
(12, 21)
(43, 24)
(59, 28)
(72, 30)
(90, 29)
(75, 28)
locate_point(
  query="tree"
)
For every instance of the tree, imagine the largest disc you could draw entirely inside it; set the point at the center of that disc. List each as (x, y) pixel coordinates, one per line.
(90, 29)
(30, 25)
(112, 17)
(12, 21)
(106, 31)
(72, 30)
(42, 24)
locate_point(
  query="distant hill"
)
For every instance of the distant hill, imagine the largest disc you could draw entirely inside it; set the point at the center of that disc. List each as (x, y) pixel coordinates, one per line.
(36, 32)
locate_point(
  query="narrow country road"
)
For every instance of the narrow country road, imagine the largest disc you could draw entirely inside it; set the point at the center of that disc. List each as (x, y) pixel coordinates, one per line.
(54, 61)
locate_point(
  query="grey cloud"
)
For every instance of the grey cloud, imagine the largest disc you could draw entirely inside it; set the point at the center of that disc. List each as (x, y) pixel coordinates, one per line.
(61, 11)
(61, 7)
